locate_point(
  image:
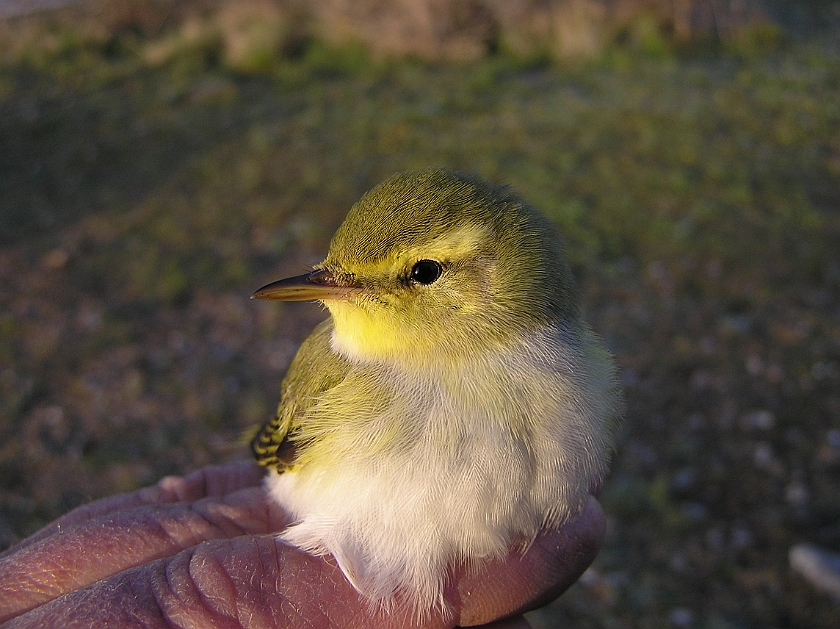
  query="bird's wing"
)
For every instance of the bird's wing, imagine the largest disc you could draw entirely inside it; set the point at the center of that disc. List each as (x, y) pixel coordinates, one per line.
(315, 369)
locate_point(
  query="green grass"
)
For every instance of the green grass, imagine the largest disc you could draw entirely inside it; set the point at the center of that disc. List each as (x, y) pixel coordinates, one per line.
(143, 200)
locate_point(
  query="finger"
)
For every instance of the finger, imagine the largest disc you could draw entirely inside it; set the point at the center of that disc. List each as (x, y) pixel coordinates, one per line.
(213, 480)
(259, 581)
(250, 581)
(109, 544)
(552, 563)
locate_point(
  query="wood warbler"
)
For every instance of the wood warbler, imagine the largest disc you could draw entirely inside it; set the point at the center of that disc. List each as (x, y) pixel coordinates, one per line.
(453, 404)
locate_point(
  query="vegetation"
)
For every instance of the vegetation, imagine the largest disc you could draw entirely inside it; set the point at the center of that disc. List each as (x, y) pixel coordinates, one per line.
(151, 177)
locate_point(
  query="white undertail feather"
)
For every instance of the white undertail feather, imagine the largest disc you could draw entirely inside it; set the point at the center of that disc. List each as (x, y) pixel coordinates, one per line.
(459, 475)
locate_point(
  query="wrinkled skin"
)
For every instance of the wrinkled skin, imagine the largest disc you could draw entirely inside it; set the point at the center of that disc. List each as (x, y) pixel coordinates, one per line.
(198, 551)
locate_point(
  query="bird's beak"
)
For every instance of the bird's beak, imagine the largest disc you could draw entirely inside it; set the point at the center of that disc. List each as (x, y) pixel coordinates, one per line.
(315, 286)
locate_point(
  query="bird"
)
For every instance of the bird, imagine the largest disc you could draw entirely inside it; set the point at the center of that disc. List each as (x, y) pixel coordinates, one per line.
(453, 404)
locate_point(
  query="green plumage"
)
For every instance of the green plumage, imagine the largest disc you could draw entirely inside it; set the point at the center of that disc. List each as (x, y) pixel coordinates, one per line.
(521, 253)
(315, 369)
(454, 403)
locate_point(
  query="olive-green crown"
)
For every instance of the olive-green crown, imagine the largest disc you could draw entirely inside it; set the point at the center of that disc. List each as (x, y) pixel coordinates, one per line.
(415, 208)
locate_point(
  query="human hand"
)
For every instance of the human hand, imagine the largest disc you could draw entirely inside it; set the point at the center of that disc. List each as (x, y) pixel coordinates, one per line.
(199, 551)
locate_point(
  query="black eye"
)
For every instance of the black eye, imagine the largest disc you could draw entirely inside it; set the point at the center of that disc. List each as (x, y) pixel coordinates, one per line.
(426, 271)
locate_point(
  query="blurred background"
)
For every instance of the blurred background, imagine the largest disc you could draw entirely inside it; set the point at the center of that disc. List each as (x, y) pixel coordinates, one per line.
(160, 160)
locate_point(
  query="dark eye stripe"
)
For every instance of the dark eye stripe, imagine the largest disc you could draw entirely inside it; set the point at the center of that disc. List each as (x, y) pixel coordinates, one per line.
(426, 271)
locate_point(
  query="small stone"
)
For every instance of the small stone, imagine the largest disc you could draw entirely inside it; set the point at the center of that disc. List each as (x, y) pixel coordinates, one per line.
(590, 578)
(681, 617)
(678, 562)
(755, 366)
(657, 270)
(683, 480)
(820, 567)
(825, 371)
(695, 511)
(708, 345)
(763, 456)
(696, 421)
(760, 420)
(797, 494)
(629, 378)
(741, 538)
(700, 380)
(775, 373)
(714, 539)
(55, 259)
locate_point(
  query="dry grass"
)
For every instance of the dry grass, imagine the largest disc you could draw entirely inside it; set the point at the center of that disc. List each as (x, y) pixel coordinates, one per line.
(251, 34)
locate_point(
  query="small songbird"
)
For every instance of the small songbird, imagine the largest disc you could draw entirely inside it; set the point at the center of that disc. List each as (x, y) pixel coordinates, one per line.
(453, 404)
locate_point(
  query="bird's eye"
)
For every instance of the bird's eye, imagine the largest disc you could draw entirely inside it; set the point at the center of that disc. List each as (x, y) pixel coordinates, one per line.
(426, 271)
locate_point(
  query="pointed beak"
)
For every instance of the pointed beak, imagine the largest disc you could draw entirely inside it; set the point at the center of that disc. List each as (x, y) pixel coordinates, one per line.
(315, 286)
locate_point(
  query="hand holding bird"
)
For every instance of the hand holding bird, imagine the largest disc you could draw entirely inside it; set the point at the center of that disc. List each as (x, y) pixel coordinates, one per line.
(199, 551)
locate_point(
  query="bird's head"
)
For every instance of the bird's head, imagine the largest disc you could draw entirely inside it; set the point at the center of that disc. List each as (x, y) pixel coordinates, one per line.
(435, 265)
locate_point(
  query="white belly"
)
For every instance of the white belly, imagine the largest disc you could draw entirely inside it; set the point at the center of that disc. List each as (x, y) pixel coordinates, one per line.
(480, 472)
